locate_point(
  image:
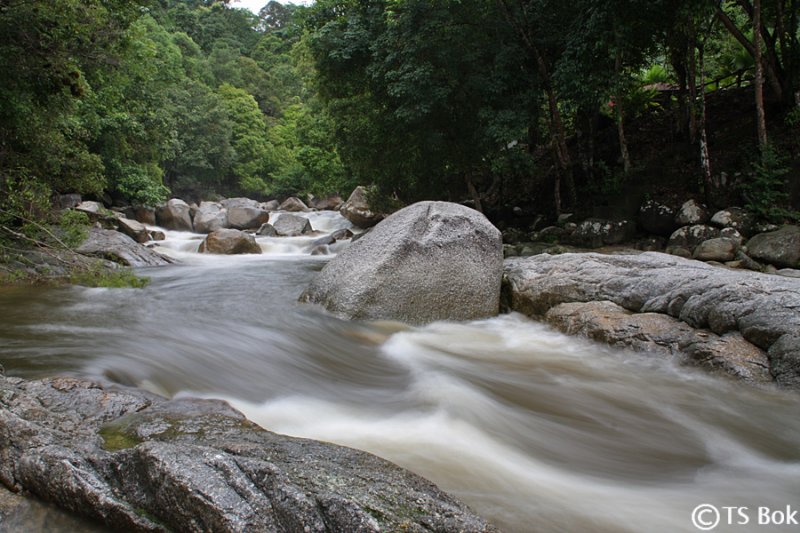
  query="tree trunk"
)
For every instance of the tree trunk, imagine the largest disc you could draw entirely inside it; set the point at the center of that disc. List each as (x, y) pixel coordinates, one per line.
(692, 80)
(620, 112)
(761, 122)
(556, 125)
(772, 74)
(705, 157)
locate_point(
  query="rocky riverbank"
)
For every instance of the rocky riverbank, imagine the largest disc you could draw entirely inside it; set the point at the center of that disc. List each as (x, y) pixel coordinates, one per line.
(139, 462)
(742, 323)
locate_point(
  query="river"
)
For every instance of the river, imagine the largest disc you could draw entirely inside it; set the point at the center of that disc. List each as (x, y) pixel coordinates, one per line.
(534, 430)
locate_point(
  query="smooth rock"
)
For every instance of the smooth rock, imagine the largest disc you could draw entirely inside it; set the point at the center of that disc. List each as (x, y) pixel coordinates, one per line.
(358, 211)
(342, 234)
(229, 242)
(429, 261)
(266, 230)
(90, 207)
(293, 205)
(288, 225)
(656, 333)
(330, 203)
(133, 229)
(244, 213)
(145, 215)
(761, 307)
(118, 247)
(720, 249)
(175, 215)
(210, 217)
(780, 248)
(140, 463)
(272, 205)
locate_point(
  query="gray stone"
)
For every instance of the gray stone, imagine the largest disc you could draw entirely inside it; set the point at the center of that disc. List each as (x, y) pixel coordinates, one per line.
(138, 462)
(684, 240)
(210, 216)
(657, 218)
(145, 215)
(780, 248)
(342, 234)
(720, 249)
(595, 232)
(692, 213)
(90, 207)
(293, 205)
(174, 215)
(156, 235)
(760, 307)
(272, 205)
(736, 218)
(244, 213)
(429, 261)
(133, 229)
(288, 225)
(229, 242)
(331, 203)
(656, 333)
(119, 248)
(358, 211)
(784, 356)
(266, 230)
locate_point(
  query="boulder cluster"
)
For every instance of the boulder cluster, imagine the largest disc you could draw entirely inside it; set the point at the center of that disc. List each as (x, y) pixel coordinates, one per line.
(730, 236)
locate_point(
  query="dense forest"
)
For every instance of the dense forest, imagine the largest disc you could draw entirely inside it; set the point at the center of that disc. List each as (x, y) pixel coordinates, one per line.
(486, 101)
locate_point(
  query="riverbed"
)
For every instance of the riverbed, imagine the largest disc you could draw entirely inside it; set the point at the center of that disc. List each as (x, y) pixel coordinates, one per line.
(534, 430)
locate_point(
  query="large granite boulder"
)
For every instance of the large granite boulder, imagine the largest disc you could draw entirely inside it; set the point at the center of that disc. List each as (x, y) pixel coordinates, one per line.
(780, 248)
(117, 247)
(210, 217)
(358, 211)
(229, 242)
(140, 463)
(765, 309)
(429, 261)
(288, 225)
(175, 215)
(244, 213)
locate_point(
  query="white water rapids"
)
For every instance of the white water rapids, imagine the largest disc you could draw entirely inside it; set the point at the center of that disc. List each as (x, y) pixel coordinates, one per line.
(534, 430)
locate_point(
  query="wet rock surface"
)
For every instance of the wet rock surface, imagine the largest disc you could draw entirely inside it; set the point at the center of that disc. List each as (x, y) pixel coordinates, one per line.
(119, 248)
(764, 309)
(429, 261)
(138, 462)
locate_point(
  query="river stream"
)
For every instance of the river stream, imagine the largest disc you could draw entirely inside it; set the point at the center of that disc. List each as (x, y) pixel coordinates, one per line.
(534, 430)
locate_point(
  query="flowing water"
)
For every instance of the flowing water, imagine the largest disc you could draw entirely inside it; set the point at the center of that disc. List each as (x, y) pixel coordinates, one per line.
(534, 430)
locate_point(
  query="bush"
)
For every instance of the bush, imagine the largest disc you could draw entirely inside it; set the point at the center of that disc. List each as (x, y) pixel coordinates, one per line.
(765, 193)
(75, 227)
